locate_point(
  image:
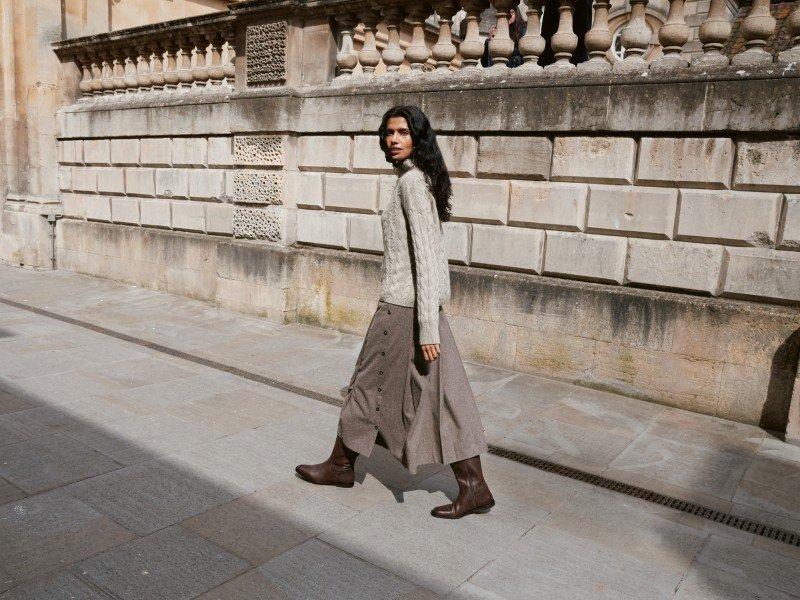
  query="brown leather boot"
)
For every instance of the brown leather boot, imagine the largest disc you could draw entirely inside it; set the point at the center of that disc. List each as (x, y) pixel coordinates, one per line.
(337, 470)
(473, 493)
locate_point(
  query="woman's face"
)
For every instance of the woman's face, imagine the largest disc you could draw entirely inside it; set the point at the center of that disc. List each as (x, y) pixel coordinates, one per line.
(398, 139)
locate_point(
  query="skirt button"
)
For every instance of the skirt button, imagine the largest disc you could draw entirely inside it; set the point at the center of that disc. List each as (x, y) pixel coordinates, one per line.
(385, 333)
(378, 408)
(376, 428)
(383, 353)
(379, 389)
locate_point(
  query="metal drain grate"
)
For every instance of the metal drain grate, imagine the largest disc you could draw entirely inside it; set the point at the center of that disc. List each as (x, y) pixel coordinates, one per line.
(755, 527)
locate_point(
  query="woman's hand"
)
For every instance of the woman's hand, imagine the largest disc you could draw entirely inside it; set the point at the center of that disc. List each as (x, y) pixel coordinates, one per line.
(430, 352)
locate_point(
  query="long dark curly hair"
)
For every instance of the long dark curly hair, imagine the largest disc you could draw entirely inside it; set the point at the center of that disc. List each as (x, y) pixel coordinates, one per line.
(425, 154)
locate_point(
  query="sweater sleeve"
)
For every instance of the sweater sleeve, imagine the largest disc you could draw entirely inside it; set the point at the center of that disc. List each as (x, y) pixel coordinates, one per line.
(419, 214)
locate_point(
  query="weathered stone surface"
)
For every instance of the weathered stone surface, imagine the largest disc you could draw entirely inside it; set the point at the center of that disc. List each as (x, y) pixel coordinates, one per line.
(84, 179)
(790, 233)
(125, 151)
(206, 183)
(513, 156)
(188, 215)
(74, 205)
(266, 51)
(595, 257)
(548, 205)
(97, 152)
(309, 190)
(459, 153)
(726, 216)
(675, 265)
(259, 223)
(597, 159)
(140, 182)
(480, 201)
(155, 213)
(189, 151)
(125, 210)
(768, 165)
(322, 228)
(456, 241)
(366, 233)
(219, 218)
(368, 156)
(64, 178)
(507, 247)
(324, 153)
(263, 150)
(219, 151)
(632, 209)
(110, 180)
(764, 273)
(351, 193)
(70, 151)
(98, 208)
(156, 152)
(685, 161)
(257, 187)
(172, 183)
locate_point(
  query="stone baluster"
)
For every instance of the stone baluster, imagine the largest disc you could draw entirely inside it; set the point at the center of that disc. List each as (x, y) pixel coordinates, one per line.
(184, 62)
(564, 40)
(200, 69)
(369, 57)
(97, 75)
(131, 80)
(636, 40)
(532, 43)
(714, 32)
(85, 84)
(229, 64)
(157, 65)
(672, 36)
(143, 67)
(417, 52)
(757, 28)
(215, 71)
(501, 46)
(170, 65)
(346, 57)
(444, 50)
(471, 48)
(793, 29)
(598, 41)
(119, 70)
(393, 54)
(106, 71)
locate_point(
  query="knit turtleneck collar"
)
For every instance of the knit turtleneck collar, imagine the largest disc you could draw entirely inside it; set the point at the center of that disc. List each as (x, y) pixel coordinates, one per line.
(403, 166)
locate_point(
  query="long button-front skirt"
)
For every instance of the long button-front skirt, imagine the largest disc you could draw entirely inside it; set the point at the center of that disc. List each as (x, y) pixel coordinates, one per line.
(422, 412)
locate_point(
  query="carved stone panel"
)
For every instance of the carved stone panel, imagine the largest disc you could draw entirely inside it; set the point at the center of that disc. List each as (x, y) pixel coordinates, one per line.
(266, 54)
(258, 223)
(258, 187)
(258, 150)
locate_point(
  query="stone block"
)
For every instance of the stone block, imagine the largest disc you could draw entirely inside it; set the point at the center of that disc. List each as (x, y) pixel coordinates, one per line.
(266, 223)
(125, 210)
(206, 183)
(515, 248)
(790, 228)
(770, 165)
(98, 208)
(111, 180)
(155, 213)
(762, 273)
(73, 205)
(172, 183)
(514, 156)
(156, 152)
(460, 154)
(125, 151)
(258, 187)
(366, 233)
(387, 184)
(686, 161)
(582, 256)
(676, 265)
(309, 191)
(220, 153)
(97, 152)
(189, 151)
(480, 201)
(594, 159)
(368, 156)
(263, 150)
(64, 178)
(322, 228)
(84, 179)
(219, 218)
(188, 215)
(726, 216)
(70, 151)
(456, 241)
(351, 193)
(548, 205)
(632, 210)
(140, 181)
(324, 152)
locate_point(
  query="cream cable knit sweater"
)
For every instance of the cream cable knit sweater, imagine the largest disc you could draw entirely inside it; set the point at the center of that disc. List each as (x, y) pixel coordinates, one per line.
(412, 208)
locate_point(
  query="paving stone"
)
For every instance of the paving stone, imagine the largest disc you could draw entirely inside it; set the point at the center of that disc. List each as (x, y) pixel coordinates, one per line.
(46, 532)
(64, 586)
(9, 492)
(172, 564)
(252, 585)
(317, 570)
(143, 371)
(48, 462)
(706, 583)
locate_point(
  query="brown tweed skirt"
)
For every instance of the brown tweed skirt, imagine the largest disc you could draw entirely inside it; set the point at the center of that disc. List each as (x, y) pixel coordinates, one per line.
(422, 412)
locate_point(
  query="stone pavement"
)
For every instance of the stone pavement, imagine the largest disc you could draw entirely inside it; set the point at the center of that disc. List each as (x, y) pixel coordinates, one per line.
(129, 473)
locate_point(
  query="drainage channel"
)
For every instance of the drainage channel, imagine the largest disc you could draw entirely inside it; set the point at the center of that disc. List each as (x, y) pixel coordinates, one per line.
(749, 525)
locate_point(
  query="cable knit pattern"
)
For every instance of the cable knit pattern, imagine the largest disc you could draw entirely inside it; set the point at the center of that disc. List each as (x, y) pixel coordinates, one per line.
(412, 208)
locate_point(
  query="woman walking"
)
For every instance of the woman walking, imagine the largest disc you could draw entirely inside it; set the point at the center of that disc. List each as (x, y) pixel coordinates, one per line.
(409, 392)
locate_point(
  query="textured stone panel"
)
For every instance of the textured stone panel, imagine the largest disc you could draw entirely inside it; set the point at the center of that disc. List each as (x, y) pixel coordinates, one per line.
(548, 205)
(155, 213)
(763, 273)
(691, 162)
(597, 159)
(264, 150)
(322, 228)
(125, 151)
(773, 165)
(725, 216)
(309, 190)
(351, 193)
(219, 218)
(258, 223)
(480, 201)
(125, 210)
(508, 247)
(258, 187)
(366, 233)
(585, 256)
(265, 49)
(677, 265)
(632, 209)
(515, 156)
(188, 215)
(790, 235)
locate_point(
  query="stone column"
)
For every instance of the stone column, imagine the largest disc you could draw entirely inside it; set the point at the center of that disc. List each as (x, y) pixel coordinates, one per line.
(97, 74)
(714, 32)
(417, 52)
(564, 40)
(119, 70)
(346, 57)
(393, 54)
(672, 36)
(532, 43)
(444, 50)
(229, 64)
(85, 85)
(170, 65)
(501, 46)
(636, 39)
(157, 66)
(200, 70)
(793, 29)
(131, 81)
(215, 71)
(369, 57)
(106, 70)
(143, 67)
(598, 41)
(184, 62)
(757, 28)
(471, 48)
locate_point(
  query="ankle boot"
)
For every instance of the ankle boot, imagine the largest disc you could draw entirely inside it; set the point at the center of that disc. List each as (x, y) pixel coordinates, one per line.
(473, 493)
(337, 470)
